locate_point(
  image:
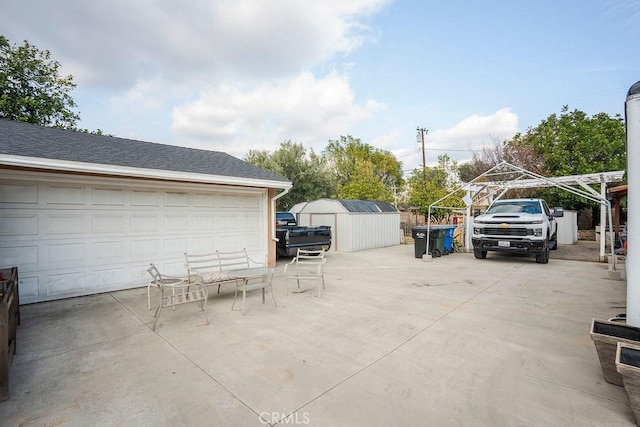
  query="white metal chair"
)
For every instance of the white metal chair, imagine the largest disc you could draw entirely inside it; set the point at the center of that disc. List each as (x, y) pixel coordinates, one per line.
(306, 265)
(183, 297)
(165, 281)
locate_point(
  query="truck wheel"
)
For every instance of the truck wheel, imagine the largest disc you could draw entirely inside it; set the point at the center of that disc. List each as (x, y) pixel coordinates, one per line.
(543, 258)
(479, 254)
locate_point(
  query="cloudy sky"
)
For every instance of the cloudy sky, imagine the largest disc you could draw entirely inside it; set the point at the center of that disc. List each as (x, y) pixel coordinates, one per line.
(235, 75)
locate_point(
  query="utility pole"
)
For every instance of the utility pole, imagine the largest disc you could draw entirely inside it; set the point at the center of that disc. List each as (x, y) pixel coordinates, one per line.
(421, 134)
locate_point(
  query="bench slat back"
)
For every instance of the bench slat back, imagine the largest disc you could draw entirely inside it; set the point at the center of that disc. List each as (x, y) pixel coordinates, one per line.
(236, 260)
(203, 262)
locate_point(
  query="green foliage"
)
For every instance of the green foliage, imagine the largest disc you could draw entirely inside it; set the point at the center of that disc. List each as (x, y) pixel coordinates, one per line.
(364, 184)
(572, 144)
(31, 90)
(435, 183)
(309, 174)
(363, 171)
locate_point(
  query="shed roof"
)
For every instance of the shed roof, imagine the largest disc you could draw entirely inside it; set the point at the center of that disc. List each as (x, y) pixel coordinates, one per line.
(20, 140)
(367, 206)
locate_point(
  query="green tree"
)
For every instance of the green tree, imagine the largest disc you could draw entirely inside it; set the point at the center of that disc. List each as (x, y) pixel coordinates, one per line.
(363, 171)
(364, 184)
(574, 143)
(31, 89)
(309, 174)
(432, 184)
(571, 143)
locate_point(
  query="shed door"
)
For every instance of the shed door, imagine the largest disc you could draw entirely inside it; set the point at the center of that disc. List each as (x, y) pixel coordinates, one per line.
(72, 237)
(330, 220)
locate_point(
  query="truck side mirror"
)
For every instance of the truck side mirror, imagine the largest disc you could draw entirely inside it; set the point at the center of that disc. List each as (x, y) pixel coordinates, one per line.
(558, 212)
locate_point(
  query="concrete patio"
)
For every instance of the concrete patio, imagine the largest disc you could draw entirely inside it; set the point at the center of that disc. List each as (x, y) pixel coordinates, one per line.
(392, 341)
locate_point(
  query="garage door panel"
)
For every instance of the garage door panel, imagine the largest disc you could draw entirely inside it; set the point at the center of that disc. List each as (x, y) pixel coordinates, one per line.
(176, 223)
(108, 223)
(66, 254)
(28, 287)
(203, 222)
(251, 221)
(229, 222)
(77, 238)
(250, 202)
(66, 283)
(110, 251)
(204, 200)
(64, 195)
(231, 242)
(176, 247)
(108, 197)
(107, 278)
(145, 223)
(251, 242)
(176, 199)
(25, 256)
(205, 244)
(19, 224)
(147, 248)
(229, 201)
(15, 192)
(145, 198)
(65, 223)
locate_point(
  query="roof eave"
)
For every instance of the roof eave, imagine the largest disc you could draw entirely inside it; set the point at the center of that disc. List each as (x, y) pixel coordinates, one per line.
(130, 172)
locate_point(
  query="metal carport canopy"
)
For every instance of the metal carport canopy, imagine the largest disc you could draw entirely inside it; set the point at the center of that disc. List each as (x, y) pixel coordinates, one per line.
(506, 176)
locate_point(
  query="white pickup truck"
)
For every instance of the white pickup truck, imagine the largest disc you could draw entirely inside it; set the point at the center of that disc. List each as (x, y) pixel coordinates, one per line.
(518, 226)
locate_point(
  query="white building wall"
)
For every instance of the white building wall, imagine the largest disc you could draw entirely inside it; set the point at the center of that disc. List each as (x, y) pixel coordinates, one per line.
(362, 231)
(568, 228)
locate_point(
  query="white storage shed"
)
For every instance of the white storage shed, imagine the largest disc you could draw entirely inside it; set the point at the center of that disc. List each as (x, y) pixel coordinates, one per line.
(356, 224)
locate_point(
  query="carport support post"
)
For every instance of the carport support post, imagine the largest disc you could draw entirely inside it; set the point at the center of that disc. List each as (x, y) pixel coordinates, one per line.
(603, 221)
(632, 113)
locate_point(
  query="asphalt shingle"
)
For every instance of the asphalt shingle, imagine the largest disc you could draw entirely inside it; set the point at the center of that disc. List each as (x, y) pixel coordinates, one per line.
(26, 139)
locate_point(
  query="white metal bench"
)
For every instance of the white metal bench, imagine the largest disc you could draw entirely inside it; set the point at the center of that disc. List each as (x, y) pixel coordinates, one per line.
(183, 297)
(218, 268)
(306, 265)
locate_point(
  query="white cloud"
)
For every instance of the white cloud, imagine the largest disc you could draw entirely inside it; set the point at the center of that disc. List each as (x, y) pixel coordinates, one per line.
(472, 133)
(114, 43)
(235, 118)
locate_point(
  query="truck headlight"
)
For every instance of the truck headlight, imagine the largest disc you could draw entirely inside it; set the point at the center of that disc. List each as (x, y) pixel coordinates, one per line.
(477, 230)
(537, 232)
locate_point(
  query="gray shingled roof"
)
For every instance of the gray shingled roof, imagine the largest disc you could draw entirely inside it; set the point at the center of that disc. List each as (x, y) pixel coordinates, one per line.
(26, 139)
(367, 206)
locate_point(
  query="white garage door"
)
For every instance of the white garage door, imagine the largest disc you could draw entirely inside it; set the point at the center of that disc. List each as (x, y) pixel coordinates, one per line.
(73, 236)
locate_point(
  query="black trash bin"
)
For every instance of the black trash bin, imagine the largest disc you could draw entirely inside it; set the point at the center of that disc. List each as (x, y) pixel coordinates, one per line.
(419, 234)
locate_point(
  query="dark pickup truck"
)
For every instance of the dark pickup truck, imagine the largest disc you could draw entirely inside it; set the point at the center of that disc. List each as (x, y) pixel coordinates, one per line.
(292, 237)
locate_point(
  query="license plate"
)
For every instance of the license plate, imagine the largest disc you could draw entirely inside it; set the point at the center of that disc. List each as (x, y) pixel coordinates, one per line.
(504, 243)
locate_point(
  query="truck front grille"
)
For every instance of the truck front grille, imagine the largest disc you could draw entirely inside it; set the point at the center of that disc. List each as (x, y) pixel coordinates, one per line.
(497, 231)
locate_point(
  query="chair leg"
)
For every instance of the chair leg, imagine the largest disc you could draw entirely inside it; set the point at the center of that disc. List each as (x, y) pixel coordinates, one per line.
(153, 328)
(235, 297)
(203, 304)
(273, 297)
(244, 297)
(149, 296)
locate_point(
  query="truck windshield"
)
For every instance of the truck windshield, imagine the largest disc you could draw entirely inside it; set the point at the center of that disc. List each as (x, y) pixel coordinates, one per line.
(515, 207)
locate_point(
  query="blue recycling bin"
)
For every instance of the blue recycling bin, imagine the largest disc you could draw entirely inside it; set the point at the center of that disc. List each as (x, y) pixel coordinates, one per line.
(448, 239)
